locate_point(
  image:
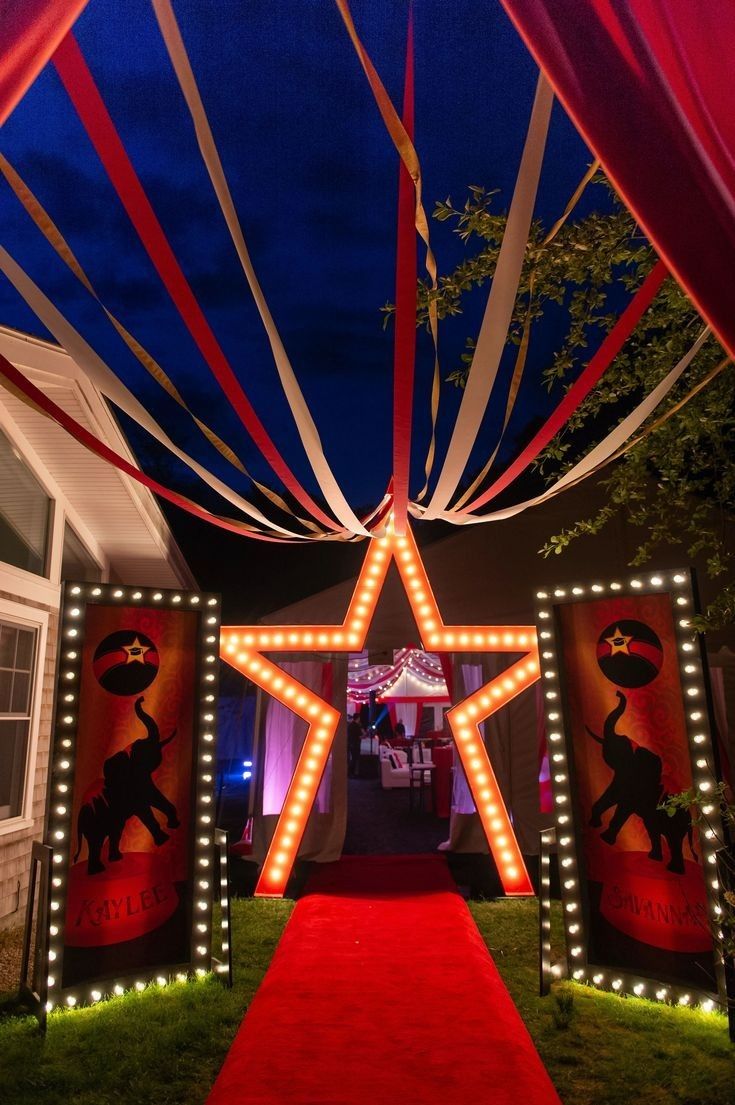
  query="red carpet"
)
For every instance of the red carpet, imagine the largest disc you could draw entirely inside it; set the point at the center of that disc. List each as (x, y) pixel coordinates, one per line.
(382, 992)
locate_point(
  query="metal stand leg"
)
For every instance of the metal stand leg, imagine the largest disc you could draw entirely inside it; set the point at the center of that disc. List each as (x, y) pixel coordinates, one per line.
(730, 983)
(35, 990)
(727, 882)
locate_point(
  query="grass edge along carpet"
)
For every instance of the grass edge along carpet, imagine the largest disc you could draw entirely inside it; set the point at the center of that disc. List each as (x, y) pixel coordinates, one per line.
(382, 991)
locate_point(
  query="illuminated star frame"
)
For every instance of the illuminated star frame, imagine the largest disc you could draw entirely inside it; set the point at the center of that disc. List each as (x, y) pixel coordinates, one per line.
(243, 648)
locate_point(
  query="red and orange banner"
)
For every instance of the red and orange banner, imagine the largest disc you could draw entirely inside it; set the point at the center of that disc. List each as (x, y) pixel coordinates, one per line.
(130, 817)
(128, 881)
(641, 876)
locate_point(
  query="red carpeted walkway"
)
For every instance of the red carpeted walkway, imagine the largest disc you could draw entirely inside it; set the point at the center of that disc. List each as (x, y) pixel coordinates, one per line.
(382, 992)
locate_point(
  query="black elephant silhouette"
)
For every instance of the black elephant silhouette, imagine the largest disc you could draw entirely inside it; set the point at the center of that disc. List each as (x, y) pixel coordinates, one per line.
(636, 788)
(127, 790)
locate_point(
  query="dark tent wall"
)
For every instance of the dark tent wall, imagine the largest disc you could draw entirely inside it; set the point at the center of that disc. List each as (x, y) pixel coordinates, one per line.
(489, 574)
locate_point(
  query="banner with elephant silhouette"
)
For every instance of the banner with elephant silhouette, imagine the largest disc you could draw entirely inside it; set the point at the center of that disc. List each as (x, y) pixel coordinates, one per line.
(642, 881)
(130, 803)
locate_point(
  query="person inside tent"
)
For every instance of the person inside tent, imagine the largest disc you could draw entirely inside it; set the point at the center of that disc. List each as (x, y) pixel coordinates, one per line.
(354, 737)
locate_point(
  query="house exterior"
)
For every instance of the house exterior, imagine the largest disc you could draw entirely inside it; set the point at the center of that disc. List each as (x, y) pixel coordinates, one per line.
(64, 514)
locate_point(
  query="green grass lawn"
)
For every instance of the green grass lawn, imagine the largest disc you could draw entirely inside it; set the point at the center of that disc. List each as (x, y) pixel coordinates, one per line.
(615, 1051)
(165, 1046)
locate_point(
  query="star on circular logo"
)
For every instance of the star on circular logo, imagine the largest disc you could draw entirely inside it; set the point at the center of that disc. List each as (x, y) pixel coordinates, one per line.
(629, 653)
(126, 662)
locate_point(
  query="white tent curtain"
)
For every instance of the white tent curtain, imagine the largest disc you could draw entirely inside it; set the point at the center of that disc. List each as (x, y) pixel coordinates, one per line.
(284, 738)
(461, 796)
(407, 712)
(511, 738)
(281, 736)
(465, 830)
(514, 758)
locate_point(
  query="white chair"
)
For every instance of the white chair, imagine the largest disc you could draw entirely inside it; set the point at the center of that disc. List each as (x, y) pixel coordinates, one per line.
(422, 754)
(394, 769)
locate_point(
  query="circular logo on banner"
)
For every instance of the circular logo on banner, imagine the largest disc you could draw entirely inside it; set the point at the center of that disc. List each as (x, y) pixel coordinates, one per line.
(126, 662)
(629, 653)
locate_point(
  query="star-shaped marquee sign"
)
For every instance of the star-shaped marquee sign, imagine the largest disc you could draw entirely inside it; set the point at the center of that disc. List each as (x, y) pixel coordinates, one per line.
(244, 646)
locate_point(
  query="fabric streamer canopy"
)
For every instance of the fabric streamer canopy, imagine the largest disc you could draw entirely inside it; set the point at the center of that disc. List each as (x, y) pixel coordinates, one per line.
(302, 416)
(639, 76)
(634, 77)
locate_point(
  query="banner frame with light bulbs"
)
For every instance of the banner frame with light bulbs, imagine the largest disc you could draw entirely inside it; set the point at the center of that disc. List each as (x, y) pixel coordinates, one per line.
(195, 617)
(679, 585)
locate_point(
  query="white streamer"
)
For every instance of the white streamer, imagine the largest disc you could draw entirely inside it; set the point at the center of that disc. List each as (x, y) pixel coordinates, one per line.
(601, 453)
(114, 389)
(499, 310)
(294, 396)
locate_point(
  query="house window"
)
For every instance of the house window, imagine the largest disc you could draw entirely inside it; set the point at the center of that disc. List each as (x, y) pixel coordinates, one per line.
(76, 562)
(17, 654)
(25, 510)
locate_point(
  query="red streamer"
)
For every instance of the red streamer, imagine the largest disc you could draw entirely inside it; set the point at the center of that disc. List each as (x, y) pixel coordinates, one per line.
(89, 441)
(90, 107)
(599, 364)
(404, 349)
(649, 86)
(29, 34)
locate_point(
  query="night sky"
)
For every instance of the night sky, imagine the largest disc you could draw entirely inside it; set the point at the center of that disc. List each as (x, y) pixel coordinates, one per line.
(314, 177)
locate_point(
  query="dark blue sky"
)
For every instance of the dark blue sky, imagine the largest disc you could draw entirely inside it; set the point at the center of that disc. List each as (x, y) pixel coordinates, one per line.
(314, 176)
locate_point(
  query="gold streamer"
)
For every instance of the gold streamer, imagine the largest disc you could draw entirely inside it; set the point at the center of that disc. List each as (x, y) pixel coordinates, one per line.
(662, 418)
(655, 425)
(615, 444)
(435, 391)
